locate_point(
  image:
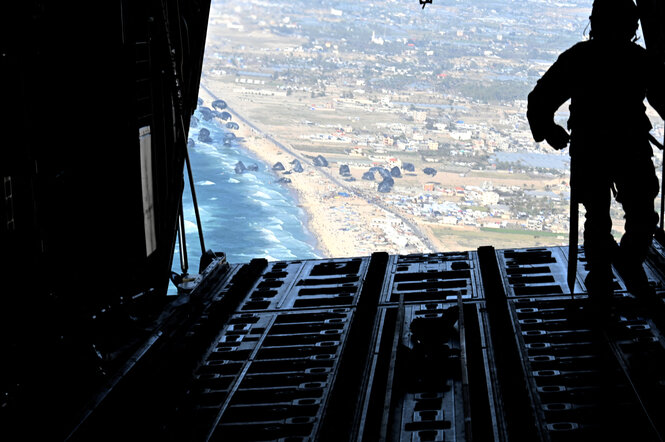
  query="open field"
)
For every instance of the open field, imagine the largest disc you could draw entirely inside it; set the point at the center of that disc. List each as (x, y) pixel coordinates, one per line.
(453, 239)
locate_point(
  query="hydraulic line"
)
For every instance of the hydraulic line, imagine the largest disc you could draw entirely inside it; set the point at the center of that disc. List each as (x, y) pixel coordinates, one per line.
(177, 83)
(184, 265)
(191, 186)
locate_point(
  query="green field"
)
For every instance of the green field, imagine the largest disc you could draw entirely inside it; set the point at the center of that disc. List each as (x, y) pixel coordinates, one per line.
(499, 238)
(533, 233)
(491, 174)
(329, 149)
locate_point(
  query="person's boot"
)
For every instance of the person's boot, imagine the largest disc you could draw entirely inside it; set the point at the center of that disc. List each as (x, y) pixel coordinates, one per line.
(599, 285)
(633, 275)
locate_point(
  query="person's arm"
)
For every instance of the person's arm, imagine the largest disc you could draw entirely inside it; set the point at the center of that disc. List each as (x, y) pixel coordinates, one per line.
(551, 91)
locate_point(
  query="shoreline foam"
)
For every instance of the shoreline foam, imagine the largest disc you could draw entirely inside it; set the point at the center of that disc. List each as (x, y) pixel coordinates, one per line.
(245, 132)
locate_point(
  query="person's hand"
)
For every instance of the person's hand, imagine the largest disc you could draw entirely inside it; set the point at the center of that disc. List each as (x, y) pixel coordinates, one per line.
(557, 137)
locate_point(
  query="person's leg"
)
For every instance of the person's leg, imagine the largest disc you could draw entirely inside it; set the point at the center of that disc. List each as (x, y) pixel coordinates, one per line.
(598, 241)
(637, 187)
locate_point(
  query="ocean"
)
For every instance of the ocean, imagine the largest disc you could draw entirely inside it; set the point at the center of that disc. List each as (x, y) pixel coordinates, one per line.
(247, 215)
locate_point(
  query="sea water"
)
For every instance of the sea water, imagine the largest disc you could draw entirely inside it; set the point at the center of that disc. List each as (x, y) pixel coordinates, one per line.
(245, 215)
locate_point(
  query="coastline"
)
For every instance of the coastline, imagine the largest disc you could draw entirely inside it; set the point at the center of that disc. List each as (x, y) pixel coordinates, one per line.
(319, 248)
(343, 223)
(248, 135)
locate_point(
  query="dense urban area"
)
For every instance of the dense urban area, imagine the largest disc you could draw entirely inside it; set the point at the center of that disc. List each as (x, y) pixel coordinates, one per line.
(417, 112)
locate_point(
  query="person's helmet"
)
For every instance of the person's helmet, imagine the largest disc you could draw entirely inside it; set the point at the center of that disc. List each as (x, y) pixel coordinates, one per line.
(615, 19)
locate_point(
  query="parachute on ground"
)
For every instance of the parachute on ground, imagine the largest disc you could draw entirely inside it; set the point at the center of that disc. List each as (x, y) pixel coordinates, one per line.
(240, 167)
(206, 113)
(204, 136)
(320, 161)
(381, 171)
(386, 185)
(219, 104)
(297, 167)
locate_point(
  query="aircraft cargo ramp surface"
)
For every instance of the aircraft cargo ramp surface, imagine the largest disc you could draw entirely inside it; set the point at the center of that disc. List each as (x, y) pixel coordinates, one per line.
(481, 345)
(485, 345)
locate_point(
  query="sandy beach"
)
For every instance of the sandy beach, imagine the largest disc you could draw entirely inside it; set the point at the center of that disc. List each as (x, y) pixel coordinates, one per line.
(344, 223)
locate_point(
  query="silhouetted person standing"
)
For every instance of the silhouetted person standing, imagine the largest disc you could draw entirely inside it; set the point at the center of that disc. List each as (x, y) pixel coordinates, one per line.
(606, 78)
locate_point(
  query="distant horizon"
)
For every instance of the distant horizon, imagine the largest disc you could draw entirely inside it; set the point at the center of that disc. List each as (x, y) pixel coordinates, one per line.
(296, 70)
